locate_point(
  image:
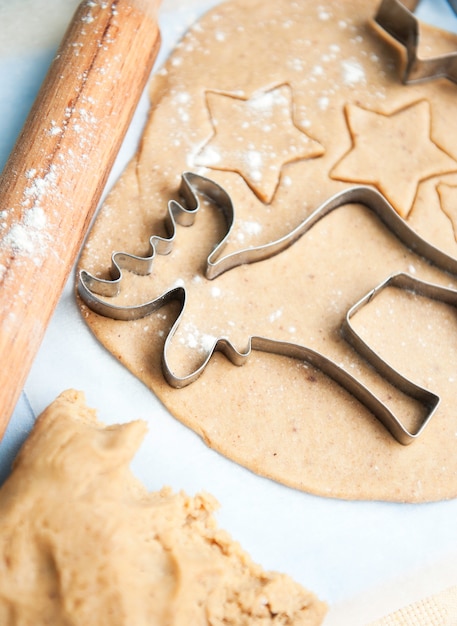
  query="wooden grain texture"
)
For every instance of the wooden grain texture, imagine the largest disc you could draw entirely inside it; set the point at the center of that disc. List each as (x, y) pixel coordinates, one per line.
(57, 171)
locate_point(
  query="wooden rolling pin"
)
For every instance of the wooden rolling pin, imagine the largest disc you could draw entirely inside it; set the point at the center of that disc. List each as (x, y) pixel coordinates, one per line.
(53, 181)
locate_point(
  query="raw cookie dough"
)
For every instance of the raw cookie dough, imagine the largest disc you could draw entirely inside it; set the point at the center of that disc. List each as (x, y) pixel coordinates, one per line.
(82, 542)
(285, 104)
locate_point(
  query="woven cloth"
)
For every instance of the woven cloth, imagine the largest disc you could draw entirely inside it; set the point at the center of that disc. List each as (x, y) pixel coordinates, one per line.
(437, 610)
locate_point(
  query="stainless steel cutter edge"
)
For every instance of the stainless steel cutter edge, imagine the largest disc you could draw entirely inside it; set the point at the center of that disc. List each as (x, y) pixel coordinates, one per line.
(396, 18)
(90, 288)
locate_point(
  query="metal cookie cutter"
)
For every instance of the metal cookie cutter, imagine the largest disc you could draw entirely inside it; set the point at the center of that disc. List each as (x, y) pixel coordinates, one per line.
(396, 17)
(427, 398)
(93, 291)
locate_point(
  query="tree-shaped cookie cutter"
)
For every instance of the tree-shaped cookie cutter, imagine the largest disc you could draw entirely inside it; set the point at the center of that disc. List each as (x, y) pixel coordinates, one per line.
(95, 291)
(397, 18)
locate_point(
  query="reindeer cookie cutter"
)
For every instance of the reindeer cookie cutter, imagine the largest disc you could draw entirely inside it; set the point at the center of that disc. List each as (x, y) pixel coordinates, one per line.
(95, 293)
(396, 17)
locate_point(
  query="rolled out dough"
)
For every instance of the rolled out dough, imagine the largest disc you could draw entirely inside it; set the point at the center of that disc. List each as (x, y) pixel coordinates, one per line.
(284, 104)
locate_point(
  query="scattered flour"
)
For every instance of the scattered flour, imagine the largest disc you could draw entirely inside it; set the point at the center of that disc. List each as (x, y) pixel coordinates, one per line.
(191, 337)
(30, 236)
(352, 72)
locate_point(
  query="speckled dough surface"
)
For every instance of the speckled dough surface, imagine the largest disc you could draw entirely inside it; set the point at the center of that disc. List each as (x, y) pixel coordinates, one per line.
(285, 104)
(82, 542)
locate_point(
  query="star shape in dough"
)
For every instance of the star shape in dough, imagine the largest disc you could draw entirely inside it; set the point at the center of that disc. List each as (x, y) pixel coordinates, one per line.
(394, 153)
(255, 137)
(448, 199)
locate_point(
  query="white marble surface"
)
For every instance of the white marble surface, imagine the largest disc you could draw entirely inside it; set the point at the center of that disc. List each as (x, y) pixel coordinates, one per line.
(341, 550)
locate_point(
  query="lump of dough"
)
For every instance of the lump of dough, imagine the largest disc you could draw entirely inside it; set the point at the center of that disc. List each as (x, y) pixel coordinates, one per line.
(82, 542)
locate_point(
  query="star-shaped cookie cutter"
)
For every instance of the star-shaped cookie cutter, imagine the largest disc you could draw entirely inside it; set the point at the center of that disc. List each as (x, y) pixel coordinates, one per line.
(94, 291)
(397, 18)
